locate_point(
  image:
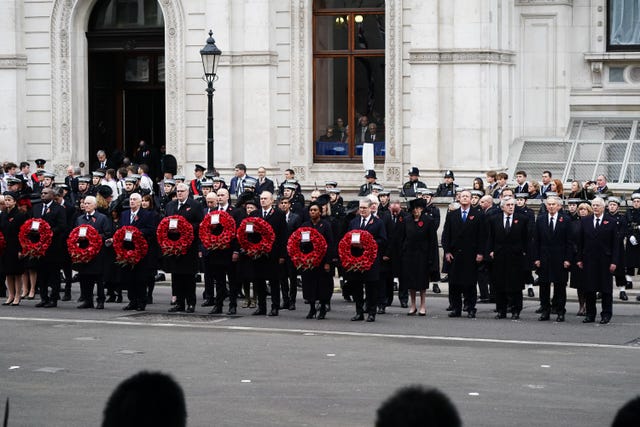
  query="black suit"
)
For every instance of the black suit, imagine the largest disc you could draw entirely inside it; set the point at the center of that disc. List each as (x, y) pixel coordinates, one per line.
(184, 267)
(464, 240)
(552, 247)
(598, 248)
(71, 213)
(369, 279)
(288, 273)
(509, 263)
(394, 226)
(91, 273)
(48, 267)
(138, 277)
(267, 267)
(267, 185)
(109, 164)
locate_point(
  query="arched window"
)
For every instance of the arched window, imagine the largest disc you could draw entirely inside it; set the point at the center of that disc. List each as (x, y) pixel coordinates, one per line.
(348, 78)
(129, 14)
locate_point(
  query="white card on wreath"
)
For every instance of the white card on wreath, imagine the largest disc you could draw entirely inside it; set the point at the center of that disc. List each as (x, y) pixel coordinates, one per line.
(173, 224)
(215, 219)
(355, 239)
(249, 228)
(35, 226)
(82, 232)
(305, 236)
(128, 236)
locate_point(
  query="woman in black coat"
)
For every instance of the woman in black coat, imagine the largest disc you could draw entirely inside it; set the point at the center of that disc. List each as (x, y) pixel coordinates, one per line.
(317, 283)
(12, 265)
(419, 254)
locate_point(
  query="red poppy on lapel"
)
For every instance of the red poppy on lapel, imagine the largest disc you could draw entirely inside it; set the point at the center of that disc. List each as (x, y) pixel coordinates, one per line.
(10, 219)
(400, 219)
(515, 221)
(420, 223)
(188, 209)
(370, 221)
(471, 217)
(48, 210)
(605, 222)
(560, 219)
(93, 219)
(135, 218)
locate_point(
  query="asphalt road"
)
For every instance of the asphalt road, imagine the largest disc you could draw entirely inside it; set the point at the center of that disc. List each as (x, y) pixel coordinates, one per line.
(58, 366)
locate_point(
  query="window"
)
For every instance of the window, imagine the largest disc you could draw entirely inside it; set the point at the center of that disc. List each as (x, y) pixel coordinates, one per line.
(119, 14)
(624, 25)
(348, 79)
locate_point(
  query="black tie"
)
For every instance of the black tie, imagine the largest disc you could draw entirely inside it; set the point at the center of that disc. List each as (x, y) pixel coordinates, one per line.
(362, 224)
(395, 219)
(507, 225)
(551, 224)
(265, 213)
(44, 209)
(179, 205)
(597, 222)
(88, 217)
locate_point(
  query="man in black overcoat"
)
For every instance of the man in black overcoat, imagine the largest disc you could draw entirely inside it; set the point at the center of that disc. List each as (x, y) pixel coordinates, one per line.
(48, 267)
(552, 254)
(599, 256)
(463, 240)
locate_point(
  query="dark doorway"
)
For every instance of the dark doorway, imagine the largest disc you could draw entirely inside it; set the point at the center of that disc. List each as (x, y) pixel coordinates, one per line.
(126, 76)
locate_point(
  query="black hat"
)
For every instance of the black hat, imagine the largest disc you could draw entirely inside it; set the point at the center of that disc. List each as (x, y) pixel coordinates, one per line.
(417, 203)
(13, 194)
(371, 174)
(40, 162)
(322, 200)
(200, 168)
(105, 191)
(449, 174)
(414, 171)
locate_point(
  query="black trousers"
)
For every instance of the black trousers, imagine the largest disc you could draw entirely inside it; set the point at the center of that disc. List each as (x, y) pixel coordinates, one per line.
(183, 287)
(87, 281)
(508, 298)
(559, 296)
(220, 275)
(606, 303)
(288, 281)
(136, 282)
(484, 275)
(3, 288)
(457, 290)
(209, 280)
(385, 296)
(49, 277)
(260, 288)
(358, 287)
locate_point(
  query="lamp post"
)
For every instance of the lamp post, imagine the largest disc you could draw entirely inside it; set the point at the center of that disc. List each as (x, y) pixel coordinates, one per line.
(210, 58)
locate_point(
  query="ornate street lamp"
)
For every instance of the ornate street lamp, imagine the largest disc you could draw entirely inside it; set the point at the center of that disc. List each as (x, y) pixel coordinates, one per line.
(210, 59)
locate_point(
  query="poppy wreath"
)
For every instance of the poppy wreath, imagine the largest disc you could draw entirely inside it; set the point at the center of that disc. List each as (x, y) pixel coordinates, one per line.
(129, 253)
(217, 236)
(3, 243)
(364, 256)
(174, 242)
(84, 249)
(315, 251)
(35, 243)
(259, 242)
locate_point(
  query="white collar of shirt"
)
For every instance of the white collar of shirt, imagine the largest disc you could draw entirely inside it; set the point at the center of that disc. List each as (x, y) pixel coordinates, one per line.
(553, 217)
(134, 213)
(596, 218)
(366, 220)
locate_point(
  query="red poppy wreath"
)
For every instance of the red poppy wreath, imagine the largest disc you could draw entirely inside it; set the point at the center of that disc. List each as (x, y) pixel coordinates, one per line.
(310, 253)
(35, 239)
(129, 245)
(174, 241)
(256, 237)
(84, 244)
(358, 258)
(217, 230)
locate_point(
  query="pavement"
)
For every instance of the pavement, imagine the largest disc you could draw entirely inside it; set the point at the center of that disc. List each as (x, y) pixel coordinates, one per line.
(59, 366)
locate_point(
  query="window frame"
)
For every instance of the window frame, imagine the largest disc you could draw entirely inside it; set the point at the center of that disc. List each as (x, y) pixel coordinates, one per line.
(350, 54)
(617, 47)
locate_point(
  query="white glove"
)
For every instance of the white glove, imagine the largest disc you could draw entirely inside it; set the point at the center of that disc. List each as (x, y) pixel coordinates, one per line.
(633, 240)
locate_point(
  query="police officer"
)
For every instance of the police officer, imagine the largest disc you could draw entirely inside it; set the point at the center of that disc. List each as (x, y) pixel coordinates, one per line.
(410, 187)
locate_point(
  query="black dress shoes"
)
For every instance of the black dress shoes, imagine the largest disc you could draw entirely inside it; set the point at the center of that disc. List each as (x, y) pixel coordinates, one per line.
(540, 310)
(530, 293)
(232, 311)
(66, 297)
(371, 318)
(207, 303)
(381, 310)
(141, 307)
(515, 316)
(588, 320)
(191, 308)
(130, 306)
(623, 296)
(472, 314)
(50, 304)
(112, 298)
(450, 308)
(544, 316)
(436, 288)
(285, 306)
(86, 304)
(455, 314)
(560, 318)
(605, 320)
(259, 312)
(176, 309)
(322, 313)
(273, 312)
(312, 312)
(119, 299)
(501, 316)
(41, 304)
(100, 305)
(357, 317)
(216, 310)
(292, 306)
(404, 305)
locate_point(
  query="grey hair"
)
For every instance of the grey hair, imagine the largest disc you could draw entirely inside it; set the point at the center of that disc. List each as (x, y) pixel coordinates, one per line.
(365, 201)
(600, 201)
(505, 200)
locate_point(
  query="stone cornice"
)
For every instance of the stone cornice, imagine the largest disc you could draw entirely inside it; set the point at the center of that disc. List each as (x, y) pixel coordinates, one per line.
(249, 58)
(544, 2)
(612, 56)
(461, 56)
(13, 62)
